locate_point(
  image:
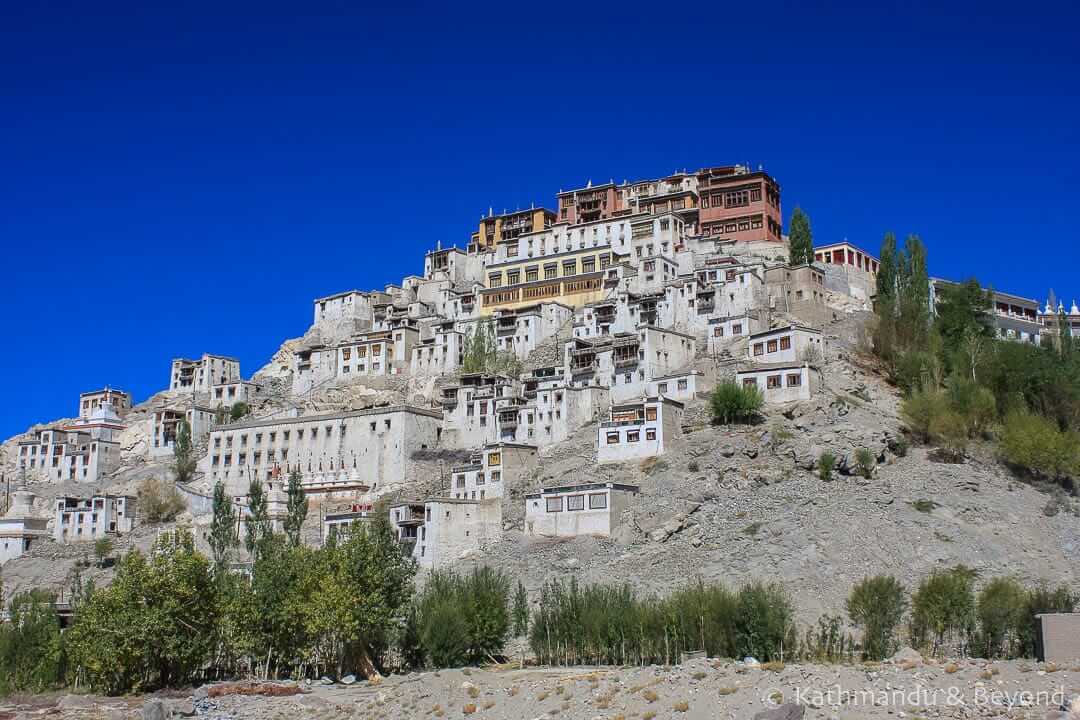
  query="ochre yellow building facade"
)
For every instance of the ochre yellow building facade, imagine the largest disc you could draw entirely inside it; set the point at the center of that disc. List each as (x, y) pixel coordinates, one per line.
(574, 278)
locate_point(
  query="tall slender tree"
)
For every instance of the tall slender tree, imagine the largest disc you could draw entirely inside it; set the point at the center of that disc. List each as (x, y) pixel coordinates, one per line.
(887, 270)
(800, 239)
(222, 527)
(297, 507)
(259, 528)
(183, 453)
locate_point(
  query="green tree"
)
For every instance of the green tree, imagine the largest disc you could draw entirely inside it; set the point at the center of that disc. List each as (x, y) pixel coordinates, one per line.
(1042, 599)
(888, 270)
(1032, 442)
(1000, 610)
(159, 501)
(914, 295)
(152, 627)
(800, 239)
(826, 464)
(482, 354)
(31, 652)
(238, 410)
(103, 546)
(877, 605)
(763, 621)
(297, 508)
(964, 323)
(184, 460)
(943, 609)
(521, 611)
(222, 527)
(731, 402)
(259, 525)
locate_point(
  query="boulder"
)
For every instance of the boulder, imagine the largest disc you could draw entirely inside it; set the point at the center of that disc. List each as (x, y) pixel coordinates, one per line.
(906, 655)
(154, 709)
(788, 711)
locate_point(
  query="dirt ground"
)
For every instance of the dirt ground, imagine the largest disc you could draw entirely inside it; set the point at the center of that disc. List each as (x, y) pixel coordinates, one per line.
(696, 690)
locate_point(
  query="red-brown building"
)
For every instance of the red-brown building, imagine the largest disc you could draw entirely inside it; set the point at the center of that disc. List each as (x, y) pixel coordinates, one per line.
(737, 204)
(593, 202)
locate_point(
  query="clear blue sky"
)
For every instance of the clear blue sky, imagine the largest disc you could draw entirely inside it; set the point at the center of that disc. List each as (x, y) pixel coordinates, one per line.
(188, 180)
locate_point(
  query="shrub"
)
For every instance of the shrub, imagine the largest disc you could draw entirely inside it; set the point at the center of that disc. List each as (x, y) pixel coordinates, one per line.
(463, 619)
(1035, 443)
(924, 506)
(877, 605)
(1001, 613)
(521, 611)
(763, 621)
(943, 609)
(948, 431)
(826, 465)
(731, 403)
(920, 409)
(103, 546)
(899, 446)
(916, 369)
(866, 461)
(159, 501)
(974, 404)
(238, 410)
(1042, 599)
(31, 655)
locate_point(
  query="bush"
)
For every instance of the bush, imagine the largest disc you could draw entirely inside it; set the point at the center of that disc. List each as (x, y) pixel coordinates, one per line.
(731, 403)
(943, 610)
(826, 464)
(921, 409)
(763, 621)
(866, 461)
(1042, 599)
(949, 432)
(159, 501)
(1001, 614)
(31, 653)
(610, 624)
(1035, 444)
(464, 619)
(239, 410)
(916, 369)
(877, 605)
(974, 404)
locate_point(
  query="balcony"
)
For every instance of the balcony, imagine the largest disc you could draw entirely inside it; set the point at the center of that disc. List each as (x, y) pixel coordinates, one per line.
(508, 421)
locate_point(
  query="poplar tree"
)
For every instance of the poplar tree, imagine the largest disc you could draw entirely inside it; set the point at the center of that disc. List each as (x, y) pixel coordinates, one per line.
(183, 453)
(297, 507)
(221, 527)
(800, 239)
(258, 522)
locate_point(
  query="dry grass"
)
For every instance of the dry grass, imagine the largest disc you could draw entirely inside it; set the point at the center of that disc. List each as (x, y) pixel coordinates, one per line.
(1051, 667)
(542, 696)
(267, 689)
(650, 695)
(514, 690)
(473, 691)
(639, 688)
(698, 675)
(488, 704)
(648, 716)
(682, 706)
(728, 690)
(774, 666)
(951, 668)
(468, 709)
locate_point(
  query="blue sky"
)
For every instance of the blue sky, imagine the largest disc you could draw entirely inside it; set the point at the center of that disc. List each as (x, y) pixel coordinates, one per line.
(174, 181)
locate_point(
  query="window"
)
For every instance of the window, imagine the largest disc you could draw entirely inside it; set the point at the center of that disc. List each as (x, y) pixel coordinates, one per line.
(650, 434)
(494, 458)
(738, 198)
(605, 261)
(682, 384)
(588, 265)
(759, 348)
(650, 414)
(633, 436)
(736, 329)
(495, 280)
(772, 381)
(718, 331)
(569, 267)
(749, 382)
(551, 271)
(661, 388)
(575, 502)
(513, 277)
(785, 343)
(532, 274)
(794, 380)
(613, 438)
(554, 504)
(597, 501)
